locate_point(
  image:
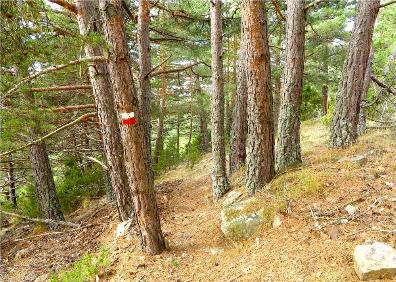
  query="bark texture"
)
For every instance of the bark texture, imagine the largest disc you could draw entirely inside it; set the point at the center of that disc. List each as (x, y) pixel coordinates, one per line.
(44, 183)
(344, 127)
(109, 124)
(288, 150)
(260, 138)
(11, 184)
(239, 113)
(219, 174)
(144, 92)
(203, 117)
(138, 166)
(366, 85)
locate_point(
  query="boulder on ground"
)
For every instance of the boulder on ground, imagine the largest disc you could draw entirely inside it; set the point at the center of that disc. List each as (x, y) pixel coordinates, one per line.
(241, 220)
(231, 198)
(357, 159)
(123, 228)
(374, 261)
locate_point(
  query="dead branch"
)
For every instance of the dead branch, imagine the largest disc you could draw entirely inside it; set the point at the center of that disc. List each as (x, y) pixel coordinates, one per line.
(174, 70)
(47, 221)
(54, 68)
(75, 107)
(61, 88)
(387, 4)
(68, 6)
(313, 4)
(383, 85)
(78, 120)
(157, 66)
(98, 162)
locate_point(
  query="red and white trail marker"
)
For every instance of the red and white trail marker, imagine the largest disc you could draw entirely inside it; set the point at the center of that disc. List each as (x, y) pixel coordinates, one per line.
(128, 118)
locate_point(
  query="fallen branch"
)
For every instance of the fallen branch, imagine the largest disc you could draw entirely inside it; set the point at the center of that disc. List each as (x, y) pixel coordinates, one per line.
(54, 68)
(80, 119)
(61, 88)
(47, 221)
(383, 85)
(75, 107)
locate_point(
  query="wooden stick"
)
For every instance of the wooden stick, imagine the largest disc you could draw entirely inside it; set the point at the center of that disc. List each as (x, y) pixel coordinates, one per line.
(80, 119)
(61, 88)
(98, 162)
(54, 68)
(60, 222)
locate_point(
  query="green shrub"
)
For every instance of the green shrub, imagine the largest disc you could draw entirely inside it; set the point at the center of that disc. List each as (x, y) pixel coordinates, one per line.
(85, 269)
(326, 119)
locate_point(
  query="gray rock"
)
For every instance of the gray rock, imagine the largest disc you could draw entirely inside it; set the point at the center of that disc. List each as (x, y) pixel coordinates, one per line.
(241, 220)
(374, 261)
(357, 159)
(231, 198)
(123, 228)
(277, 221)
(351, 210)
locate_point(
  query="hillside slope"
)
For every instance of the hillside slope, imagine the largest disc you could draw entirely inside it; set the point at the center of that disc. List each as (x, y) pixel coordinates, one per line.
(312, 244)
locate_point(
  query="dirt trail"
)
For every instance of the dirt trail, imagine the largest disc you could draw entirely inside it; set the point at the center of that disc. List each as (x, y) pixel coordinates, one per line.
(191, 223)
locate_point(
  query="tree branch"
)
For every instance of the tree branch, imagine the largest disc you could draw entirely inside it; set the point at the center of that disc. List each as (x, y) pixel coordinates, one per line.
(59, 222)
(312, 4)
(157, 66)
(174, 70)
(55, 68)
(61, 88)
(278, 10)
(387, 4)
(68, 6)
(78, 120)
(383, 85)
(75, 107)
(98, 162)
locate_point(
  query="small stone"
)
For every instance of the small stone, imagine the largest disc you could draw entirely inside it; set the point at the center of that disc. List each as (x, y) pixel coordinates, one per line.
(277, 221)
(351, 210)
(374, 261)
(231, 198)
(123, 228)
(389, 184)
(214, 251)
(357, 159)
(184, 255)
(344, 221)
(333, 233)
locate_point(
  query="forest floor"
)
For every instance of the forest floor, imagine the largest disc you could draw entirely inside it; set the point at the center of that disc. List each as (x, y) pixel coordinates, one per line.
(312, 244)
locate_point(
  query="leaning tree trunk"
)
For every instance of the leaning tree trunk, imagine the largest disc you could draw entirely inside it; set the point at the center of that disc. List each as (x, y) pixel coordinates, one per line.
(288, 149)
(219, 175)
(260, 138)
(239, 113)
(44, 182)
(144, 91)
(138, 166)
(366, 85)
(102, 88)
(11, 184)
(344, 127)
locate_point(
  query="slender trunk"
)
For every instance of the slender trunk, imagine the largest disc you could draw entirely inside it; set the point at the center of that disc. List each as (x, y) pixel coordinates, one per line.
(11, 181)
(44, 182)
(278, 83)
(288, 149)
(178, 135)
(144, 92)
(366, 86)
(219, 175)
(260, 139)
(239, 112)
(203, 120)
(109, 124)
(344, 127)
(159, 143)
(137, 163)
(325, 86)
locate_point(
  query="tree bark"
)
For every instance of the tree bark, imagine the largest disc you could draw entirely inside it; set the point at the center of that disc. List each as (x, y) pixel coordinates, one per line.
(288, 150)
(219, 175)
(239, 112)
(344, 127)
(144, 91)
(137, 163)
(102, 88)
(260, 138)
(159, 143)
(11, 183)
(278, 82)
(44, 182)
(366, 85)
(203, 120)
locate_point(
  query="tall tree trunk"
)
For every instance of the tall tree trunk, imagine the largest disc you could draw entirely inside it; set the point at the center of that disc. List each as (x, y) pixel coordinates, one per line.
(159, 143)
(109, 124)
(203, 120)
(178, 135)
(325, 85)
(138, 166)
(260, 138)
(219, 174)
(11, 184)
(44, 182)
(239, 112)
(366, 86)
(288, 149)
(144, 90)
(278, 82)
(344, 127)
